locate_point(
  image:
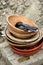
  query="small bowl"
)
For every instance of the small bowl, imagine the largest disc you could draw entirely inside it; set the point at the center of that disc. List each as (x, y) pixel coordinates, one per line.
(13, 19)
(27, 52)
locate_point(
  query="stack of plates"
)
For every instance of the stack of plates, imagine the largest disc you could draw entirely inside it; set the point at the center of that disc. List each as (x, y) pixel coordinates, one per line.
(21, 42)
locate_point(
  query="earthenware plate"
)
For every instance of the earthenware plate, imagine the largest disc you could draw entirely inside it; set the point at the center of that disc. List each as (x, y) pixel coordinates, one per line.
(26, 49)
(27, 52)
(23, 41)
(23, 45)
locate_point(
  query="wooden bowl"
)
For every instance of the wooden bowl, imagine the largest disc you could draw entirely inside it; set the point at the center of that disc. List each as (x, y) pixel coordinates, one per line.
(22, 41)
(27, 52)
(22, 36)
(13, 19)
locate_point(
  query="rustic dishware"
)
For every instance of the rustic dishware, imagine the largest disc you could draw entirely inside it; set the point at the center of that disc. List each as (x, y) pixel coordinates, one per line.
(23, 36)
(25, 49)
(23, 45)
(31, 44)
(13, 19)
(28, 52)
(22, 41)
(18, 44)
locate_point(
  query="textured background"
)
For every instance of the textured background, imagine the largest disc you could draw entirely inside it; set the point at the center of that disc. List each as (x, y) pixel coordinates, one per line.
(31, 9)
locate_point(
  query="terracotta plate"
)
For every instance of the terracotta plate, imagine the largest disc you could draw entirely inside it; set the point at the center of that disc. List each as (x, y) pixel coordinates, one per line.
(23, 41)
(23, 45)
(27, 52)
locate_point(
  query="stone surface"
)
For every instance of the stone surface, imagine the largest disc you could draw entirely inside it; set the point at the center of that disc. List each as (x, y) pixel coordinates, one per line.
(30, 9)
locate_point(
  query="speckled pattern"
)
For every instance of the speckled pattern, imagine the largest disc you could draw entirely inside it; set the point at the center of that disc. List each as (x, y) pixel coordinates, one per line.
(8, 7)
(32, 10)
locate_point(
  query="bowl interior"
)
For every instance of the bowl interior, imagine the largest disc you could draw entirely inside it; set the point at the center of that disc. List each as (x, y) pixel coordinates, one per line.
(13, 19)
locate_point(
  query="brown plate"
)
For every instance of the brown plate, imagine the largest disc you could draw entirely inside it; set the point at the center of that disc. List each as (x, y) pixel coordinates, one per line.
(13, 19)
(23, 45)
(27, 52)
(22, 41)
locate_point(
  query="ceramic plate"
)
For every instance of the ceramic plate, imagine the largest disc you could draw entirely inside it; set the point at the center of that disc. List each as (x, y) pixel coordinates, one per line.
(20, 41)
(28, 52)
(23, 41)
(23, 45)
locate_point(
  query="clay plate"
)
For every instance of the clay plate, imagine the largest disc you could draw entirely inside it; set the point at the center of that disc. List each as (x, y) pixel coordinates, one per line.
(23, 45)
(27, 52)
(22, 41)
(26, 49)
